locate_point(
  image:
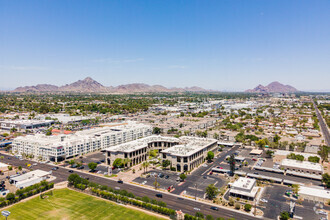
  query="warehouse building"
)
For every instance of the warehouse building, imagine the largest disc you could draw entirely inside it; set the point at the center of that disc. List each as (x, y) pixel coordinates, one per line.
(59, 147)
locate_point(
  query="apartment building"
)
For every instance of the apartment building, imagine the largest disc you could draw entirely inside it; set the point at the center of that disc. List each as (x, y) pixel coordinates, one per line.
(62, 146)
(184, 153)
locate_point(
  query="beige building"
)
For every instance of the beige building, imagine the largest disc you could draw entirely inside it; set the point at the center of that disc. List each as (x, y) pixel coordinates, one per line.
(302, 166)
(184, 153)
(190, 153)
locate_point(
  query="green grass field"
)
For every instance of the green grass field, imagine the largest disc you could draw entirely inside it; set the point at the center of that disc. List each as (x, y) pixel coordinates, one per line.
(68, 204)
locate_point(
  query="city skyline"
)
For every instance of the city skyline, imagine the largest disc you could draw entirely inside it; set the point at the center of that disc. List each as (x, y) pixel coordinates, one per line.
(224, 46)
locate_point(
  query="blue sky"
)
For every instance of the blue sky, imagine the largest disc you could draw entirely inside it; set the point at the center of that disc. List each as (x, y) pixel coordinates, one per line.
(222, 45)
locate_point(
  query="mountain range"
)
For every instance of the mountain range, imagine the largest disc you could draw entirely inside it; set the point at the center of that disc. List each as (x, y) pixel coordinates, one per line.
(274, 87)
(89, 85)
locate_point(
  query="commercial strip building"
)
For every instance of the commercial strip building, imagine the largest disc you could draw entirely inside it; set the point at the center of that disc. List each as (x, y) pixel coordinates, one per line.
(184, 153)
(315, 194)
(62, 146)
(30, 178)
(244, 188)
(302, 166)
(24, 124)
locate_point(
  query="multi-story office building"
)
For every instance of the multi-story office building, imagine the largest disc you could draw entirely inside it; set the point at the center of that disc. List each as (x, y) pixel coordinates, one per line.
(184, 153)
(62, 146)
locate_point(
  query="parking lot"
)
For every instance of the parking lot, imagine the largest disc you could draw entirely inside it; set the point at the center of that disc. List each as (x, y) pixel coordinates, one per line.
(277, 202)
(189, 187)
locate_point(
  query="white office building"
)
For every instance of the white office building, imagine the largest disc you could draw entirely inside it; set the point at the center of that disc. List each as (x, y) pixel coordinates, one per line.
(62, 146)
(244, 188)
(184, 153)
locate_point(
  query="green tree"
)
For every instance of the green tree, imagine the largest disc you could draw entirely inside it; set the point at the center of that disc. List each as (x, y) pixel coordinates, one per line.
(295, 188)
(314, 159)
(156, 130)
(92, 166)
(118, 163)
(276, 138)
(211, 191)
(183, 176)
(284, 216)
(19, 168)
(232, 164)
(166, 163)
(210, 155)
(269, 153)
(326, 180)
(323, 152)
(209, 217)
(247, 207)
(72, 162)
(199, 215)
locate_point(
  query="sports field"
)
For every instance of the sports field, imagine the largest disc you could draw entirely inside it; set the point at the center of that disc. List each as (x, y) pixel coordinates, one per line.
(68, 204)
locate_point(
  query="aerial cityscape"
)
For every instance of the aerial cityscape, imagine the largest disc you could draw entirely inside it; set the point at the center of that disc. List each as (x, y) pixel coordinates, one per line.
(186, 110)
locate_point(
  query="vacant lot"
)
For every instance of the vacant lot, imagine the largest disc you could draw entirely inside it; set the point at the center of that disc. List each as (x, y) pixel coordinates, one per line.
(68, 204)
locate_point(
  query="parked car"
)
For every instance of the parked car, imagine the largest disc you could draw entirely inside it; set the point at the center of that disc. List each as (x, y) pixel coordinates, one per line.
(70, 171)
(264, 200)
(120, 181)
(55, 168)
(214, 208)
(166, 177)
(81, 167)
(179, 198)
(159, 195)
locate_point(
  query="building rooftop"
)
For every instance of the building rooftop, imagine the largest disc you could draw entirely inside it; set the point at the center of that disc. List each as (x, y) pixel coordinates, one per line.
(29, 175)
(315, 192)
(79, 136)
(244, 183)
(189, 146)
(186, 146)
(302, 164)
(140, 143)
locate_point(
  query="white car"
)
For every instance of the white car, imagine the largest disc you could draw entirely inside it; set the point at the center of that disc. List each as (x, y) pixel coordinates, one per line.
(197, 209)
(144, 182)
(35, 164)
(322, 212)
(264, 200)
(117, 187)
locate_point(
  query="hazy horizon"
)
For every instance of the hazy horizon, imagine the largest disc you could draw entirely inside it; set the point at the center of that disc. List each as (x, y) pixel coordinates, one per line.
(218, 45)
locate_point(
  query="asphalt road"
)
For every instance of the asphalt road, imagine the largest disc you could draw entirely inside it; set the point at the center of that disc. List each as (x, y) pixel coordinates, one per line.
(323, 125)
(186, 205)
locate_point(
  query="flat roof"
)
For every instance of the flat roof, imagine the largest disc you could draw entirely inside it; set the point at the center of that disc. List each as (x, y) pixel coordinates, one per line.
(189, 146)
(29, 175)
(140, 143)
(313, 191)
(256, 151)
(244, 183)
(302, 164)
